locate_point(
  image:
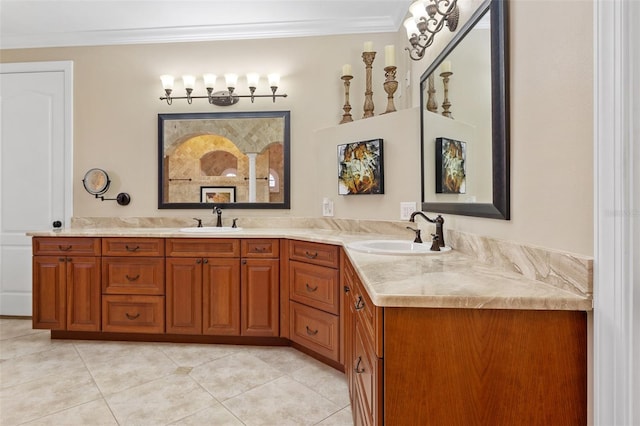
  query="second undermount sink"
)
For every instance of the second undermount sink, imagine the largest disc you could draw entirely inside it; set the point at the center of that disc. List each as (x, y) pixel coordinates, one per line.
(398, 247)
(210, 230)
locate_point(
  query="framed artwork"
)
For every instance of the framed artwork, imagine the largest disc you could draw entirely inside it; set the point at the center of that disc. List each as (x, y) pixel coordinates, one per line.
(360, 168)
(451, 176)
(217, 194)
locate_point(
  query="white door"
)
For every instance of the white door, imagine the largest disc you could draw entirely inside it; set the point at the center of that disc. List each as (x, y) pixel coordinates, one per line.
(35, 168)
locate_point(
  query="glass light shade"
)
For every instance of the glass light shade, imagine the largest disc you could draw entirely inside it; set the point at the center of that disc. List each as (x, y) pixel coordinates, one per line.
(209, 80)
(274, 80)
(411, 27)
(231, 80)
(418, 9)
(167, 82)
(189, 81)
(252, 79)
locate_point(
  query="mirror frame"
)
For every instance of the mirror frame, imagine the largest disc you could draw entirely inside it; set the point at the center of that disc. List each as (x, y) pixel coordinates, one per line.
(286, 151)
(500, 208)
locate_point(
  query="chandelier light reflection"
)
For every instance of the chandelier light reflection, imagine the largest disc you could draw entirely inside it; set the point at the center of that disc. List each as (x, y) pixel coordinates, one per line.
(223, 97)
(428, 18)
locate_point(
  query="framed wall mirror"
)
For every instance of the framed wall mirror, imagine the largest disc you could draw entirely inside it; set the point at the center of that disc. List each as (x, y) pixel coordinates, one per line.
(240, 160)
(464, 112)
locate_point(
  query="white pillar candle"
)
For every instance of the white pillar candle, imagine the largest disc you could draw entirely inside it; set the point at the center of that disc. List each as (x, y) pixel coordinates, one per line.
(368, 46)
(390, 56)
(346, 69)
(445, 67)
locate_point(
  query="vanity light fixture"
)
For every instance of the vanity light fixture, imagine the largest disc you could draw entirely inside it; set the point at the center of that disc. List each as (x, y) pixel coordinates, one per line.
(220, 98)
(428, 18)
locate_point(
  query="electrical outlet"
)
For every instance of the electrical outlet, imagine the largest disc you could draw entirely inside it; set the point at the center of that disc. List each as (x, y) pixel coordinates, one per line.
(406, 208)
(327, 207)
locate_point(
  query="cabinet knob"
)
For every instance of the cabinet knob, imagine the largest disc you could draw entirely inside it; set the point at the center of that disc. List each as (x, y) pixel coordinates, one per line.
(347, 289)
(198, 261)
(205, 261)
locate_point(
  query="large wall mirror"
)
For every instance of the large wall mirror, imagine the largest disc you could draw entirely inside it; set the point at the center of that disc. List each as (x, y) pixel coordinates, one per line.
(237, 160)
(464, 110)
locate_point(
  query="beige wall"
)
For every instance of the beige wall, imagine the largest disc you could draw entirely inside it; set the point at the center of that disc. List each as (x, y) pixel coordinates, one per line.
(116, 106)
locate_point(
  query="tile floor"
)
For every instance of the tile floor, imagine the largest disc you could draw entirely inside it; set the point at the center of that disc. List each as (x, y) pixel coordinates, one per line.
(64, 382)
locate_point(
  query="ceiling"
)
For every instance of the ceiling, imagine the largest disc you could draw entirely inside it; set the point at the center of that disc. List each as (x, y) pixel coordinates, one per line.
(49, 23)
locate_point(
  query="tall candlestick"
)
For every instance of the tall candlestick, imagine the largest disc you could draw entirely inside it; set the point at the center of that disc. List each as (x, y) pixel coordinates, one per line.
(446, 104)
(368, 58)
(346, 117)
(390, 56)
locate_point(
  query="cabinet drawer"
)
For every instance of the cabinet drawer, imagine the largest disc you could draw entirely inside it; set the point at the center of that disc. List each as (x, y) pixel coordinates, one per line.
(124, 275)
(68, 246)
(133, 314)
(260, 248)
(314, 285)
(316, 253)
(209, 247)
(132, 247)
(316, 330)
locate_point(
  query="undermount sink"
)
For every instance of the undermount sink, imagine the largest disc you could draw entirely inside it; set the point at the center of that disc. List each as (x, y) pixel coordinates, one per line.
(210, 230)
(399, 247)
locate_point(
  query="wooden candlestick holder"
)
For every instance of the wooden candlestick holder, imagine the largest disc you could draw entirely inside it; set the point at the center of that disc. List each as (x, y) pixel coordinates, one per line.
(368, 58)
(390, 86)
(346, 117)
(432, 105)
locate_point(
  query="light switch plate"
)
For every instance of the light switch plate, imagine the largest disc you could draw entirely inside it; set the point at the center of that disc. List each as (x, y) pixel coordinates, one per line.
(327, 207)
(406, 208)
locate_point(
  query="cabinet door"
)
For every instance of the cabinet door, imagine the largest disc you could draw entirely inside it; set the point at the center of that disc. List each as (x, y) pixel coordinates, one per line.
(260, 297)
(184, 296)
(221, 296)
(83, 293)
(49, 292)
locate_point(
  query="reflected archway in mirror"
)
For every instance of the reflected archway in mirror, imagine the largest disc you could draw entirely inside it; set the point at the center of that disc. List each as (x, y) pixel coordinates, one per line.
(197, 152)
(465, 99)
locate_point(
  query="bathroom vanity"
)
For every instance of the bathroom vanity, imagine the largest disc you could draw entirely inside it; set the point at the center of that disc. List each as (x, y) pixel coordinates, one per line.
(423, 340)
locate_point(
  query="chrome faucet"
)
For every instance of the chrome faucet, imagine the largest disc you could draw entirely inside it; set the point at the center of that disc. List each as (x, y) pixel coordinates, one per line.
(439, 221)
(217, 210)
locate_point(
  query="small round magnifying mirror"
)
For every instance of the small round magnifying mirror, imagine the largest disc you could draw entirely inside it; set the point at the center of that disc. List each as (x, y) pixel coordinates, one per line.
(96, 182)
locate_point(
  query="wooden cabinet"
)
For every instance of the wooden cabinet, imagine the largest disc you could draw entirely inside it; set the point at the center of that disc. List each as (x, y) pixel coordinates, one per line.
(203, 286)
(314, 298)
(66, 283)
(133, 285)
(363, 350)
(409, 366)
(260, 284)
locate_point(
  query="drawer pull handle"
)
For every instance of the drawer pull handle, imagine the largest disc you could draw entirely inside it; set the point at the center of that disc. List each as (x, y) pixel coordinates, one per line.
(311, 255)
(311, 289)
(136, 248)
(132, 278)
(311, 332)
(358, 369)
(260, 249)
(65, 248)
(132, 317)
(359, 305)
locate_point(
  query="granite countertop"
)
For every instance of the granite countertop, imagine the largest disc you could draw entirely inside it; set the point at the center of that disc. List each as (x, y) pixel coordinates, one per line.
(448, 280)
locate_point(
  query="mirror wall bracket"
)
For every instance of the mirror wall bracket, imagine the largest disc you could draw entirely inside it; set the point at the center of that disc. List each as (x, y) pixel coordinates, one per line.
(96, 182)
(428, 18)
